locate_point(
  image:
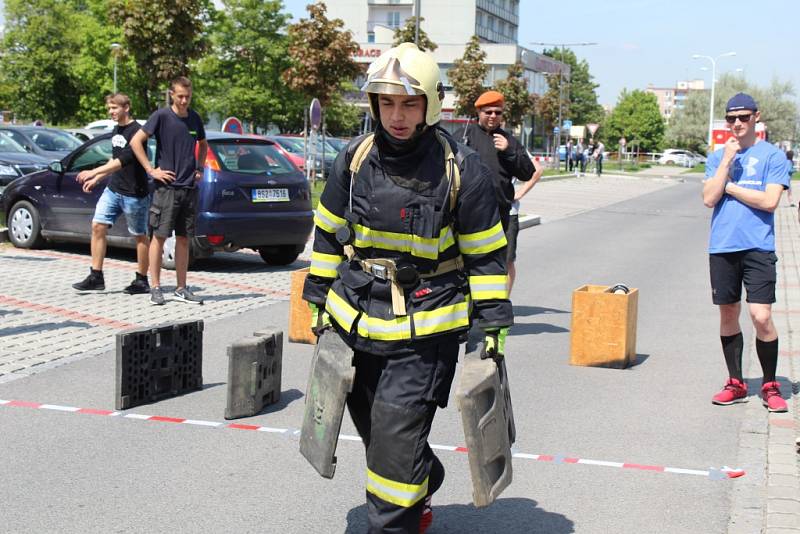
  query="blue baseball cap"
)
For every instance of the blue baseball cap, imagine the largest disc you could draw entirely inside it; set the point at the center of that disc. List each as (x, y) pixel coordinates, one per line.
(741, 101)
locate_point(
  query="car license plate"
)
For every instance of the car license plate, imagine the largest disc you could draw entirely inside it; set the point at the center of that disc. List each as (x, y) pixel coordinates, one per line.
(270, 195)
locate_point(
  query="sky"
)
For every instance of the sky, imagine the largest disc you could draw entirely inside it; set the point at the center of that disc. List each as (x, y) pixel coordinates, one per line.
(643, 42)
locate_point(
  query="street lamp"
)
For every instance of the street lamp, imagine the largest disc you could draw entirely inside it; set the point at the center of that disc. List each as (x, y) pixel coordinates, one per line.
(560, 78)
(713, 61)
(115, 47)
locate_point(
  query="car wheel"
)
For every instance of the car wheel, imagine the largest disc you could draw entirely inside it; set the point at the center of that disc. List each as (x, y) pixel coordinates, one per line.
(279, 255)
(24, 225)
(168, 254)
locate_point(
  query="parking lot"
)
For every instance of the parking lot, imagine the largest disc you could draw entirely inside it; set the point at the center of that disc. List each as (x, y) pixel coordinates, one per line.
(45, 322)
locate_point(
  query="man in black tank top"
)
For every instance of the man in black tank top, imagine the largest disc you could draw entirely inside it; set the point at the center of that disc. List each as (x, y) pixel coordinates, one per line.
(127, 192)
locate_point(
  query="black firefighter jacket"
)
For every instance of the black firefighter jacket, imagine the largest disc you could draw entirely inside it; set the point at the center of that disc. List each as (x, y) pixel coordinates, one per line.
(408, 218)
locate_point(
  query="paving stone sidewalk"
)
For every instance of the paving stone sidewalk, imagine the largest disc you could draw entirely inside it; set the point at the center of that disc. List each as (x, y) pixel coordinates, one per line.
(44, 322)
(767, 498)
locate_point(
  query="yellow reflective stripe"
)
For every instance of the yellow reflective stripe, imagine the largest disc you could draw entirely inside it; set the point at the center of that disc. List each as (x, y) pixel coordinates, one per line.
(484, 287)
(405, 495)
(383, 329)
(327, 220)
(421, 247)
(325, 264)
(482, 242)
(441, 319)
(342, 312)
(446, 239)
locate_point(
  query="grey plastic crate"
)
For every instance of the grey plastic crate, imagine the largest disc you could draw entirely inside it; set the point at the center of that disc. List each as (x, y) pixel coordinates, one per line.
(254, 373)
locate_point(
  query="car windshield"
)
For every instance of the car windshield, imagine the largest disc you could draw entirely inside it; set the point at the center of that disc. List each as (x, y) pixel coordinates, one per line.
(293, 145)
(9, 145)
(54, 140)
(249, 157)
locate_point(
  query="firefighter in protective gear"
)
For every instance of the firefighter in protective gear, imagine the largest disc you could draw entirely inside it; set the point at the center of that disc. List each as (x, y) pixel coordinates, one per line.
(408, 249)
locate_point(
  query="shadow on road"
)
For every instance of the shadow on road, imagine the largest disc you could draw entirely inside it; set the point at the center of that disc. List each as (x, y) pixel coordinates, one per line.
(41, 327)
(522, 329)
(505, 516)
(640, 359)
(287, 397)
(525, 311)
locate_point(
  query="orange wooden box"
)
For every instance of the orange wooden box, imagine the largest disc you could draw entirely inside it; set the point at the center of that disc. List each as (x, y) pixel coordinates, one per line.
(603, 327)
(299, 312)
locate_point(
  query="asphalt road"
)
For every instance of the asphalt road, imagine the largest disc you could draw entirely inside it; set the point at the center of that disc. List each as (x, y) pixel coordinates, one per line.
(72, 472)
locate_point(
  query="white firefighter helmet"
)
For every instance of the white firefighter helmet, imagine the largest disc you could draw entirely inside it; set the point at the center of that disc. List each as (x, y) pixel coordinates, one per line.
(406, 70)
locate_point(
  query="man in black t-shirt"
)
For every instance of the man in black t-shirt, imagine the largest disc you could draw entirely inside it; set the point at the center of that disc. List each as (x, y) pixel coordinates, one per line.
(177, 129)
(127, 193)
(506, 158)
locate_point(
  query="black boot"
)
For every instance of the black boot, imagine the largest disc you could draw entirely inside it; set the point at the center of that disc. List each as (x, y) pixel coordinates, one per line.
(139, 286)
(93, 282)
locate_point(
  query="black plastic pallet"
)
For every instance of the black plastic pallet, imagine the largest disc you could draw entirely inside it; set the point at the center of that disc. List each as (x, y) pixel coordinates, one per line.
(158, 362)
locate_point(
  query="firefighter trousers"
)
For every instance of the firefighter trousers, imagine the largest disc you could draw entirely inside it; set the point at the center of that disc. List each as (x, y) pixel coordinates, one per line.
(393, 402)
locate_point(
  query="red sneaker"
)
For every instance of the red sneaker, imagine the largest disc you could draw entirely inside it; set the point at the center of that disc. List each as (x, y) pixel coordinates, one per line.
(733, 392)
(771, 397)
(427, 516)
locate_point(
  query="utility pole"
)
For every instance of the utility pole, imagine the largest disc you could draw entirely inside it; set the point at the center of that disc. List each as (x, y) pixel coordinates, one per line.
(416, 22)
(560, 97)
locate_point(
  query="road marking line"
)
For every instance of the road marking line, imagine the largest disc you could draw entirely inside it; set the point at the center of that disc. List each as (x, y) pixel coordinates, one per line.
(198, 422)
(65, 312)
(58, 408)
(723, 473)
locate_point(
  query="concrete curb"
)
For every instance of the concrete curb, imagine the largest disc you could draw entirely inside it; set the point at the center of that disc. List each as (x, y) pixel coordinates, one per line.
(526, 221)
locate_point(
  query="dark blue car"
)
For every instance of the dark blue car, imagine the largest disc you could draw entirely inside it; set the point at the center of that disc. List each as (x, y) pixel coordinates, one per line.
(251, 196)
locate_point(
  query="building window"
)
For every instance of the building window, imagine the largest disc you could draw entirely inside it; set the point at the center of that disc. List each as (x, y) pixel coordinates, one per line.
(370, 37)
(393, 19)
(491, 22)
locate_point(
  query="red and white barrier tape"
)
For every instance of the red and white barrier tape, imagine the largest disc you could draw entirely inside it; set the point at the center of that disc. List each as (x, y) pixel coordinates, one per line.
(724, 472)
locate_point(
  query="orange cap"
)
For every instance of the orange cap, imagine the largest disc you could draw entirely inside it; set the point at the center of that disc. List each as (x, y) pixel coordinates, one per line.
(490, 98)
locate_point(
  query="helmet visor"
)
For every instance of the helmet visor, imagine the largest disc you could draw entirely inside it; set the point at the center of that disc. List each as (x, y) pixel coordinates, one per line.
(392, 80)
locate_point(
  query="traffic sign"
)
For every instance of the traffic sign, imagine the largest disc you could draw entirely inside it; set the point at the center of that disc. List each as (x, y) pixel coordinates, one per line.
(592, 128)
(556, 130)
(567, 124)
(315, 112)
(232, 125)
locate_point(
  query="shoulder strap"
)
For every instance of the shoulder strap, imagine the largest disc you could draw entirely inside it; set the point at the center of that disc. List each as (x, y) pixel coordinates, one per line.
(361, 151)
(452, 169)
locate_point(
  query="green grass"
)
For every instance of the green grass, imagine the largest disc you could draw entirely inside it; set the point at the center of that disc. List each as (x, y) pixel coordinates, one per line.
(316, 190)
(700, 167)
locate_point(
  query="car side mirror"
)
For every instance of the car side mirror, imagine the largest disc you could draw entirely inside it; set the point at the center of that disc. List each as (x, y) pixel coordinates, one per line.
(56, 167)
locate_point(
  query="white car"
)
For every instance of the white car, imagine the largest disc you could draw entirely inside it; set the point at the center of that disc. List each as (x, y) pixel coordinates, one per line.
(677, 156)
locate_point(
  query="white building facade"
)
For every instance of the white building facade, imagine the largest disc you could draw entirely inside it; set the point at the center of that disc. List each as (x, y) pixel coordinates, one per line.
(450, 24)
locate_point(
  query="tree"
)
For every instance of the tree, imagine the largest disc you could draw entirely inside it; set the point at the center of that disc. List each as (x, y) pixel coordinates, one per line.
(467, 76)
(342, 119)
(321, 55)
(688, 127)
(37, 56)
(637, 118)
(579, 94)
(407, 33)
(515, 91)
(248, 53)
(547, 105)
(163, 36)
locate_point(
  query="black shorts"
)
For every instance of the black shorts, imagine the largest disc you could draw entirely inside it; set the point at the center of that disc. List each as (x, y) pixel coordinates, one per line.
(173, 209)
(511, 237)
(754, 268)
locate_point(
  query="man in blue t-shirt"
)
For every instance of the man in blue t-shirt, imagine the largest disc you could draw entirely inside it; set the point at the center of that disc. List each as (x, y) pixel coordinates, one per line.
(744, 183)
(177, 129)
